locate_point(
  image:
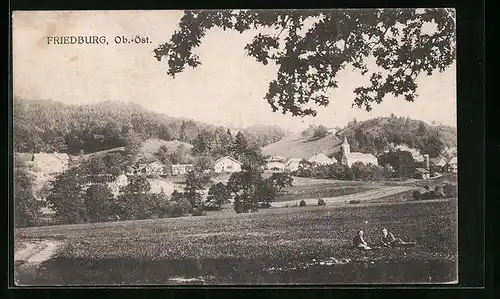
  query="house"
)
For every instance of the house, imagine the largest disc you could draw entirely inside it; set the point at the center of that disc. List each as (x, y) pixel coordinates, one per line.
(453, 165)
(275, 166)
(227, 164)
(50, 163)
(292, 164)
(422, 173)
(180, 169)
(155, 167)
(118, 183)
(439, 163)
(276, 159)
(321, 159)
(349, 158)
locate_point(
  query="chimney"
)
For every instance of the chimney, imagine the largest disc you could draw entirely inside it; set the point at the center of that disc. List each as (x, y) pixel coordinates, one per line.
(427, 162)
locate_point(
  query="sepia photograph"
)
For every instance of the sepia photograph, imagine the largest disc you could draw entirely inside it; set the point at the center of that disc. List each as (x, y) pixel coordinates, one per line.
(235, 147)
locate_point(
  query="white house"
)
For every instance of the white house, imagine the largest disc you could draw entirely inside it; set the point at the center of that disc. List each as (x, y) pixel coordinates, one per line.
(180, 169)
(151, 168)
(276, 159)
(453, 165)
(275, 165)
(51, 163)
(292, 164)
(321, 159)
(227, 164)
(349, 158)
(441, 162)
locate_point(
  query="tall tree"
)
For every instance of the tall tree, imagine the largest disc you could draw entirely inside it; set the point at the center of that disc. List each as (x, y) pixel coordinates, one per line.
(99, 202)
(218, 196)
(67, 196)
(26, 207)
(245, 186)
(196, 182)
(133, 201)
(240, 144)
(308, 62)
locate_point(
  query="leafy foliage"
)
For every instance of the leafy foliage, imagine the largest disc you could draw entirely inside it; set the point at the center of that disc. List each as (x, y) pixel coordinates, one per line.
(309, 62)
(244, 186)
(135, 200)
(26, 207)
(378, 134)
(281, 180)
(99, 202)
(218, 196)
(320, 131)
(195, 182)
(401, 161)
(67, 196)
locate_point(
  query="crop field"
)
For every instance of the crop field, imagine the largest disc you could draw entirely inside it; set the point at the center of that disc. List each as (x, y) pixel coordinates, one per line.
(297, 245)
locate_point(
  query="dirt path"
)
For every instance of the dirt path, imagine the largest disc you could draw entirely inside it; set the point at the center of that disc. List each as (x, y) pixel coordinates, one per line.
(36, 252)
(361, 196)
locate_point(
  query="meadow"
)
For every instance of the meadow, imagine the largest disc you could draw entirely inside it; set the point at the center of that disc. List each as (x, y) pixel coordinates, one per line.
(307, 245)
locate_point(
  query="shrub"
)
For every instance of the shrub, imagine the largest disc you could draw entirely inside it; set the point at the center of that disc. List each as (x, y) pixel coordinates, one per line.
(450, 190)
(354, 201)
(417, 195)
(302, 203)
(320, 131)
(321, 202)
(178, 208)
(198, 211)
(265, 205)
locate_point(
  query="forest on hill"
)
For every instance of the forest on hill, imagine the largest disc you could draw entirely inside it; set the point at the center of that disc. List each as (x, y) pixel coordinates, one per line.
(48, 126)
(375, 135)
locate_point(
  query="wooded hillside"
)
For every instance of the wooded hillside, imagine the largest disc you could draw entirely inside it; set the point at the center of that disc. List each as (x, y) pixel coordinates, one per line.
(47, 126)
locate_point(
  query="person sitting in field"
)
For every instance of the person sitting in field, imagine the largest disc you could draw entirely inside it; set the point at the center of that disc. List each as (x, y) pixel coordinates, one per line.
(359, 242)
(389, 240)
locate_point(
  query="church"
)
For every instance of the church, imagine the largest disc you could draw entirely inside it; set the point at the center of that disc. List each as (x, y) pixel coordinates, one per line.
(349, 158)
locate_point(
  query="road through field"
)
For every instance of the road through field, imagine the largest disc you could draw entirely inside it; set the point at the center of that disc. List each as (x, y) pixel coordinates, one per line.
(36, 252)
(361, 196)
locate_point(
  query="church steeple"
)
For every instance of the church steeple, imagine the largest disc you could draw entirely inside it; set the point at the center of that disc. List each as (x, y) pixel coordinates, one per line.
(345, 146)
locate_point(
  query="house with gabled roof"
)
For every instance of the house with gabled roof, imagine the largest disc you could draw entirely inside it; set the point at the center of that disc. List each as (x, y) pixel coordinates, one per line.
(453, 165)
(227, 164)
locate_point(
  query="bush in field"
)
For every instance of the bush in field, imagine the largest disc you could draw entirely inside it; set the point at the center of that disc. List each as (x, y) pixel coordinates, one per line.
(281, 180)
(99, 202)
(178, 208)
(246, 187)
(320, 131)
(218, 196)
(26, 207)
(67, 196)
(363, 171)
(195, 182)
(321, 202)
(302, 203)
(198, 211)
(135, 200)
(417, 195)
(378, 173)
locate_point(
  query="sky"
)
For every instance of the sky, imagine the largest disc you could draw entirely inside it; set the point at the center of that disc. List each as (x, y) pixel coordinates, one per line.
(228, 88)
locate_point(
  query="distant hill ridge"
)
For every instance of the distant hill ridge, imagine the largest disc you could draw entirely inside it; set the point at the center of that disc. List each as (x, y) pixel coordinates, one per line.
(371, 136)
(48, 126)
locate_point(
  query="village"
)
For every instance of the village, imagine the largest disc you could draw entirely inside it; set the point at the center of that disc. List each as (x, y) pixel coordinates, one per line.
(314, 146)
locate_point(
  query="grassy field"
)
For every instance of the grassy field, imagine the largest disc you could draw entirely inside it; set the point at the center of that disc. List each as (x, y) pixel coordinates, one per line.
(299, 245)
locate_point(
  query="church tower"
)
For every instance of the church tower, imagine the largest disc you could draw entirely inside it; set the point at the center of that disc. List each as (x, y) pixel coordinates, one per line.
(346, 148)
